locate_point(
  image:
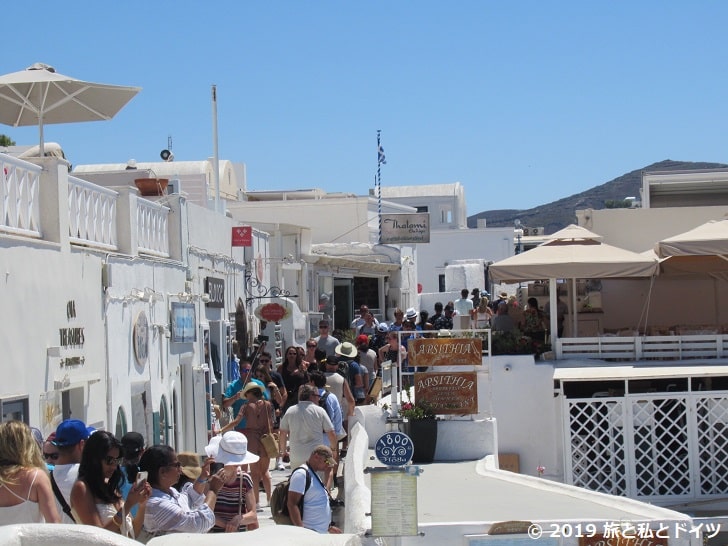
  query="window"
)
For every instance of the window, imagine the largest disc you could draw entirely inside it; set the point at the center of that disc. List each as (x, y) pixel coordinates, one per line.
(445, 215)
(15, 409)
(441, 283)
(423, 208)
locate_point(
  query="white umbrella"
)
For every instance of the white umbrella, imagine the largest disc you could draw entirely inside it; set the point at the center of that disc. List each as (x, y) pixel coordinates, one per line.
(39, 95)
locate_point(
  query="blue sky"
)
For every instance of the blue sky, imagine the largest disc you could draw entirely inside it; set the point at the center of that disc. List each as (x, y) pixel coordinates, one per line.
(523, 102)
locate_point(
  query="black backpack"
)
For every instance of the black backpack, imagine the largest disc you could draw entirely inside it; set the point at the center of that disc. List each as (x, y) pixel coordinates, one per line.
(279, 499)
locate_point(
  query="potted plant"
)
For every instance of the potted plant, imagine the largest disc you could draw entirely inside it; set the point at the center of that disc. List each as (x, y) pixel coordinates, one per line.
(421, 426)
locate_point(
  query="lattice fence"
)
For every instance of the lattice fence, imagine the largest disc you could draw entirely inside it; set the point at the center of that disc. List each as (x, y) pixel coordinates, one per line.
(649, 446)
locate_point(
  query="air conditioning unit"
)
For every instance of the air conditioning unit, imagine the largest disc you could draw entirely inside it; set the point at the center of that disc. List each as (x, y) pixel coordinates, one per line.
(532, 231)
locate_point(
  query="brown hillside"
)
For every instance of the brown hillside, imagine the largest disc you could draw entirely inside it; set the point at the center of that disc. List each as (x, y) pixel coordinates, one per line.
(558, 214)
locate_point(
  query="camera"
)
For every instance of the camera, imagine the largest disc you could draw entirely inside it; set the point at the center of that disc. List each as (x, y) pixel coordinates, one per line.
(261, 338)
(216, 467)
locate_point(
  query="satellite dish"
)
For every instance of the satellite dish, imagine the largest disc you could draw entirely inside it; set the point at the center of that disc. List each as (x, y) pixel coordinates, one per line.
(166, 155)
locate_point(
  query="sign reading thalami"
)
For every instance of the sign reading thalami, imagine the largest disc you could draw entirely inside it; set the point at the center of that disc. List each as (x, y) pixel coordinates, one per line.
(445, 352)
(405, 228)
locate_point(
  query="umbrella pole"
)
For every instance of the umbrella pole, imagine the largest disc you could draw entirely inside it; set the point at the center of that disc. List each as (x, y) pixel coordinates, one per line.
(40, 130)
(553, 312)
(575, 319)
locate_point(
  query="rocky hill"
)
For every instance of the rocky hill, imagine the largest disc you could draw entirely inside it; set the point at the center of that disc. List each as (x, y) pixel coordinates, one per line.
(558, 214)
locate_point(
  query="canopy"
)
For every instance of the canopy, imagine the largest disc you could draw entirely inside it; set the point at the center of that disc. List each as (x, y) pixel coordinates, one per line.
(709, 239)
(573, 258)
(701, 251)
(572, 253)
(39, 95)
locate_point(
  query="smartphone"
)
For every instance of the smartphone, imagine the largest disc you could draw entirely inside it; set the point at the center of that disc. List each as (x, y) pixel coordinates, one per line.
(216, 467)
(141, 479)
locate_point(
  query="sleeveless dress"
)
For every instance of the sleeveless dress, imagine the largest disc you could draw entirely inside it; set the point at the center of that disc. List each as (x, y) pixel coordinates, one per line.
(25, 512)
(229, 501)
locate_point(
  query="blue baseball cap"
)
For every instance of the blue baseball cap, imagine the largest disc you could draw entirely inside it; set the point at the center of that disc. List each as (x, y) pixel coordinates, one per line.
(72, 431)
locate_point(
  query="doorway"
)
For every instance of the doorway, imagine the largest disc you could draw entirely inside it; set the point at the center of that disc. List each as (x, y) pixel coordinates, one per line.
(343, 303)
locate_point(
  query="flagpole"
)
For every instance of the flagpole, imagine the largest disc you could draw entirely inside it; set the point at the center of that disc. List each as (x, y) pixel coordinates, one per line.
(380, 160)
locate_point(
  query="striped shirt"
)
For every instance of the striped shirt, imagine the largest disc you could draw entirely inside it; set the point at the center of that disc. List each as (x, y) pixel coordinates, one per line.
(179, 511)
(229, 500)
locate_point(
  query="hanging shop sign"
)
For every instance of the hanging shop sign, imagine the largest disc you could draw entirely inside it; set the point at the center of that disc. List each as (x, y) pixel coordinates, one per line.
(447, 351)
(215, 288)
(272, 312)
(448, 393)
(405, 228)
(242, 236)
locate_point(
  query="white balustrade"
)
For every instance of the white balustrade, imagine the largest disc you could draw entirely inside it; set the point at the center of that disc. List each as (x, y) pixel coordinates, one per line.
(152, 233)
(92, 214)
(19, 202)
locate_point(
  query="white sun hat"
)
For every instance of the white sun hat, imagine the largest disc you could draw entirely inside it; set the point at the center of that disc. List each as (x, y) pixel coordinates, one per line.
(230, 449)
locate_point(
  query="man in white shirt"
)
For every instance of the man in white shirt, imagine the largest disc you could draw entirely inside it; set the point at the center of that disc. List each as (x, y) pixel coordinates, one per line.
(463, 307)
(359, 319)
(71, 435)
(316, 507)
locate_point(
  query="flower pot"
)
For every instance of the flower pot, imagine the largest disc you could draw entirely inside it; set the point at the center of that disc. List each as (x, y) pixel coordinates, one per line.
(423, 433)
(151, 186)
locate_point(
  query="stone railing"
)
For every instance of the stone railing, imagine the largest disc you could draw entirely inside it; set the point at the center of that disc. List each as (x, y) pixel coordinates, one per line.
(19, 203)
(644, 347)
(92, 214)
(152, 235)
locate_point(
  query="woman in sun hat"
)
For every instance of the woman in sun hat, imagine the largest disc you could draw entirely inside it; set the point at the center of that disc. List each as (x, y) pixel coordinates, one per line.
(235, 509)
(190, 468)
(258, 415)
(170, 511)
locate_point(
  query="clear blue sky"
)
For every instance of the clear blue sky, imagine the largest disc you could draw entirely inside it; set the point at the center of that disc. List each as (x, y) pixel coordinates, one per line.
(523, 102)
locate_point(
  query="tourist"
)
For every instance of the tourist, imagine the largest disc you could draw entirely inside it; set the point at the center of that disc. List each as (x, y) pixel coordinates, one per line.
(303, 424)
(236, 507)
(132, 447)
(71, 435)
(189, 510)
(26, 494)
(324, 341)
(50, 452)
(316, 500)
(258, 414)
(534, 321)
(292, 372)
(463, 307)
(96, 499)
(482, 314)
(502, 322)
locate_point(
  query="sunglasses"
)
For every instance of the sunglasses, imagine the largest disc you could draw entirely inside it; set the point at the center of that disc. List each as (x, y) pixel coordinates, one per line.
(246, 370)
(113, 460)
(310, 346)
(322, 326)
(51, 456)
(264, 360)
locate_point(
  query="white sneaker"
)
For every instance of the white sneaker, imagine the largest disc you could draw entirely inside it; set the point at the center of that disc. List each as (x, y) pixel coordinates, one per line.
(280, 465)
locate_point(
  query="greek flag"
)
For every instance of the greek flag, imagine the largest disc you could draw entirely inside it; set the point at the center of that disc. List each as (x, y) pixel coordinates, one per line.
(380, 156)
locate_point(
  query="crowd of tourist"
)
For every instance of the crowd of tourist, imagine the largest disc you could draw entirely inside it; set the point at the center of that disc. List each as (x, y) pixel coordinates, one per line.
(79, 475)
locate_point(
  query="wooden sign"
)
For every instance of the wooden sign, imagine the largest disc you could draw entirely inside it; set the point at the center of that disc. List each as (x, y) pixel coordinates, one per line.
(453, 393)
(445, 351)
(510, 528)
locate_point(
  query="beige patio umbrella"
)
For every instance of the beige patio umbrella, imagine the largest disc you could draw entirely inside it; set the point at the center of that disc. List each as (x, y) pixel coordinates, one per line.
(700, 251)
(39, 95)
(572, 253)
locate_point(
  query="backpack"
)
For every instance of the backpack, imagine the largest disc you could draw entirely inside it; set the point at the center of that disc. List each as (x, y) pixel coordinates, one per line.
(323, 404)
(279, 499)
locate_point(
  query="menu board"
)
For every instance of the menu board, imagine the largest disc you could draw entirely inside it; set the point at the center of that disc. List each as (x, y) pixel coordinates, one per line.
(394, 503)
